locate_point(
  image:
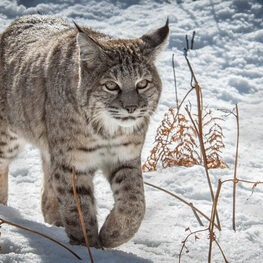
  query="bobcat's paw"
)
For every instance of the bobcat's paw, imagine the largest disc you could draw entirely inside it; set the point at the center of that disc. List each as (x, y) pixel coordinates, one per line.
(119, 228)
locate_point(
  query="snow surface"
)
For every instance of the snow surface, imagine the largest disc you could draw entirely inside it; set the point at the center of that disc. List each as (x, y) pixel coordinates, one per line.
(228, 61)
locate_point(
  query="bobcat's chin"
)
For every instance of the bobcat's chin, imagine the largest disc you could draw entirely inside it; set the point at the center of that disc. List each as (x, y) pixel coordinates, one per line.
(127, 122)
(124, 120)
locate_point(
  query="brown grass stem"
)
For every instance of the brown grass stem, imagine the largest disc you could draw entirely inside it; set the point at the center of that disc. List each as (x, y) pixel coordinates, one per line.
(221, 250)
(80, 214)
(185, 240)
(3, 221)
(235, 172)
(200, 132)
(212, 220)
(196, 215)
(175, 84)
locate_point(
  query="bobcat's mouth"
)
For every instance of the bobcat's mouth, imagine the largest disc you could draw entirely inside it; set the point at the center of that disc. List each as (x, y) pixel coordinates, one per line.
(125, 118)
(122, 118)
(126, 121)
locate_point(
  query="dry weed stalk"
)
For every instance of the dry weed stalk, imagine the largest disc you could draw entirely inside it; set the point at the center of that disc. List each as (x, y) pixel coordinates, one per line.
(235, 170)
(3, 221)
(186, 239)
(80, 214)
(198, 126)
(212, 236)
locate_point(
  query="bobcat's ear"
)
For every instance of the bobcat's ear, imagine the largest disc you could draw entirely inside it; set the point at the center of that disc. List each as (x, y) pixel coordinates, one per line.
(155, 41)
(90, 50)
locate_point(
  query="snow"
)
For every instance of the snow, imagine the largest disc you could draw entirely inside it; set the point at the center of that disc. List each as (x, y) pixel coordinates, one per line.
(228, 62)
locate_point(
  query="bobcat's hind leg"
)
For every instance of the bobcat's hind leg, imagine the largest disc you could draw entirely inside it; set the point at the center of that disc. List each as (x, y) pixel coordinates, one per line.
(9, 148)
(49, 203)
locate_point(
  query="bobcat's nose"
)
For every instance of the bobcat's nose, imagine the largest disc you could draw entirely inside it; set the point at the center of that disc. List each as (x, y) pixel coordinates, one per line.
(130, 108)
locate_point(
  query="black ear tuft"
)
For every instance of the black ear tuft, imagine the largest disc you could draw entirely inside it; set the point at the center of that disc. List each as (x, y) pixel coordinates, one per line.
(155, 41)
(78, 27)
(90, 49)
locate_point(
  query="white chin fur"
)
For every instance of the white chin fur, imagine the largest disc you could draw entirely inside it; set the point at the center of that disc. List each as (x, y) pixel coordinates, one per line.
(127, 123)
(113, 125)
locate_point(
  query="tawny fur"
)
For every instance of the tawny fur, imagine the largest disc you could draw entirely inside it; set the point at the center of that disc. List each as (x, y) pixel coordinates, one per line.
(85, 101)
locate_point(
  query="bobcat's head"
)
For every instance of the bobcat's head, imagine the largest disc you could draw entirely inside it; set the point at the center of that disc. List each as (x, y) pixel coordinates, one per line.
(120, 86)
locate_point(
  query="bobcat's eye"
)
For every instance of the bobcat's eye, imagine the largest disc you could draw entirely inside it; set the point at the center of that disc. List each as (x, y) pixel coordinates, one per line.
(143, 84)
(112, 86)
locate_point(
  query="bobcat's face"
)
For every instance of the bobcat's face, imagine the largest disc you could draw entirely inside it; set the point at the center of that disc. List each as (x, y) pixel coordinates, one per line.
(130, 93)
(127, 87)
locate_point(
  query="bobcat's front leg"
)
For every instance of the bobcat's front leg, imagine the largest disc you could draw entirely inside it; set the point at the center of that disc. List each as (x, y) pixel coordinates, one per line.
(128, 212)
(62, 185)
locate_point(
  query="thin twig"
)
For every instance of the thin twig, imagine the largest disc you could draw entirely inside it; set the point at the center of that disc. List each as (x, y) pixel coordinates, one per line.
(80, 214)
(212, 220)
(184, 98)
(200, 132)
(221, 250)
(196, 215)
(192, 120)
(3, 221)
(235, 172)
(181, 199)
(185, 240)
(242, 181)
(175, 84)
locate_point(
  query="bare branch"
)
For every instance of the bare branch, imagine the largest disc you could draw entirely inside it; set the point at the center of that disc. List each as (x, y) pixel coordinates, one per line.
(212, 220)
(175, 84)
(186, 239)
(235, 172)
(80, 214)
(3, 221)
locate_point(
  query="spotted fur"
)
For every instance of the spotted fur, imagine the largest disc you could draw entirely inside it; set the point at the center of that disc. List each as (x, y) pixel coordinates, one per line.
(85, 100)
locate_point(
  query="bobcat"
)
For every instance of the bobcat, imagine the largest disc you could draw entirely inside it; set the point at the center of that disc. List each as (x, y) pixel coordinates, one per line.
(84, 99)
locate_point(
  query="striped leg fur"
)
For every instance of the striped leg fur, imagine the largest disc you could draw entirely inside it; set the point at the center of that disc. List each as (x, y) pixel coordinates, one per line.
(9, 148)
(128, 212)
(62, 185)
(49, 202)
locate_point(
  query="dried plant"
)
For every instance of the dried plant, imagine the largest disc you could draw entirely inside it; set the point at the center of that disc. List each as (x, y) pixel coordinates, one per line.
(175, 143)
(179, 138)
(213, 141)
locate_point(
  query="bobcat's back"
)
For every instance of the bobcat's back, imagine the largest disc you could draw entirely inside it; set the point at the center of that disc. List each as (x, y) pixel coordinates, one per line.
(38, 54)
